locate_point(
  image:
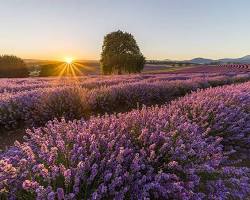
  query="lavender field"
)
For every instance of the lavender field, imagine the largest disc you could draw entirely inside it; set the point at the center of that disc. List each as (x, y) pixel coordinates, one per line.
(33, 102)
(124, 100)
(160, 136)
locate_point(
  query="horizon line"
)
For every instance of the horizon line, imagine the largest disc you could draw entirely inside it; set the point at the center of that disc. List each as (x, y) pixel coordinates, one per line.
(160, 59)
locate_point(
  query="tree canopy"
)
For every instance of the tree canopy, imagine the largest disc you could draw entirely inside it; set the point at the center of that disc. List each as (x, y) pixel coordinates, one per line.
(121, 54)
(12, 67)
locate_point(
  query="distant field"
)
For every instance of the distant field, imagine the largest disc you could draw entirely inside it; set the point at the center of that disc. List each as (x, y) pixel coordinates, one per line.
(149, 68)
(217, 68)
(226, 68)
(52, 68)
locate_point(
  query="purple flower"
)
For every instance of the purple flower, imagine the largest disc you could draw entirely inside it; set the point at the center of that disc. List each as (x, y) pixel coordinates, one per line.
(51, 196)
(60, 193)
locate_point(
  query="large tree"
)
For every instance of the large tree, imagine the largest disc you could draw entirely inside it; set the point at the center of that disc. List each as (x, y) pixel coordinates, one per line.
(12, 67)
(121, 54)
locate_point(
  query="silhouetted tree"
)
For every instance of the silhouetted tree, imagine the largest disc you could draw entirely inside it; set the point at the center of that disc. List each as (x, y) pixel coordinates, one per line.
(12, 67)
(121, 54)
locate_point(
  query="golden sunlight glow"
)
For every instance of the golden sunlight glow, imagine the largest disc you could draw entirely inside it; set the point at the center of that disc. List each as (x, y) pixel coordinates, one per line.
(70, 68)
(68, 60)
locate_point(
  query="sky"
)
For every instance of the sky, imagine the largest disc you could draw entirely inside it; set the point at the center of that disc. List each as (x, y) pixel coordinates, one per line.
(164, 29)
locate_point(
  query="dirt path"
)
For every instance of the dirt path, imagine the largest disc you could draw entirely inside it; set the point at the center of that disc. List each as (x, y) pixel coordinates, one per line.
(7, 138)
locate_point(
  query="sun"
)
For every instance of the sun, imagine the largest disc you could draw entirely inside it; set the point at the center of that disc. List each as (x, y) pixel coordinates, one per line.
(69, 60)
(70, 67)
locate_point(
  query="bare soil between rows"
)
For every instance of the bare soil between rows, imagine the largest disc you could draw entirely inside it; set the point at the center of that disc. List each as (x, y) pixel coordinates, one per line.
(7, 138)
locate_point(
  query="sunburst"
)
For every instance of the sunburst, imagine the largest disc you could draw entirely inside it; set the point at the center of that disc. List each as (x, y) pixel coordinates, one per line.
(70, 69)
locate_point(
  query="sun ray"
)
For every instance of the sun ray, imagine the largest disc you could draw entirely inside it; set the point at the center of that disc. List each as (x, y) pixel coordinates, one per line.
(77, 69)
(72, 71)
(67, 71)
(59, 68)
(88, 68)
(62, 71)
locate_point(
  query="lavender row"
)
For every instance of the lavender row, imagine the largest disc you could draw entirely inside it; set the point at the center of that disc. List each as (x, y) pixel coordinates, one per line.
(32, 108)
(20, 85)
(221, 112)
(175, 151)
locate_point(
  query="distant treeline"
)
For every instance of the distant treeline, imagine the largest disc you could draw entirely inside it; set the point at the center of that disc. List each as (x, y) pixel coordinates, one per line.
(12, 67)
(171, 63)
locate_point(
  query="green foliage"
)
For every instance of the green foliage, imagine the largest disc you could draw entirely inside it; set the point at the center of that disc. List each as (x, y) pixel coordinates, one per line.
(12, 67)
(49, 70)
(121, 54)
